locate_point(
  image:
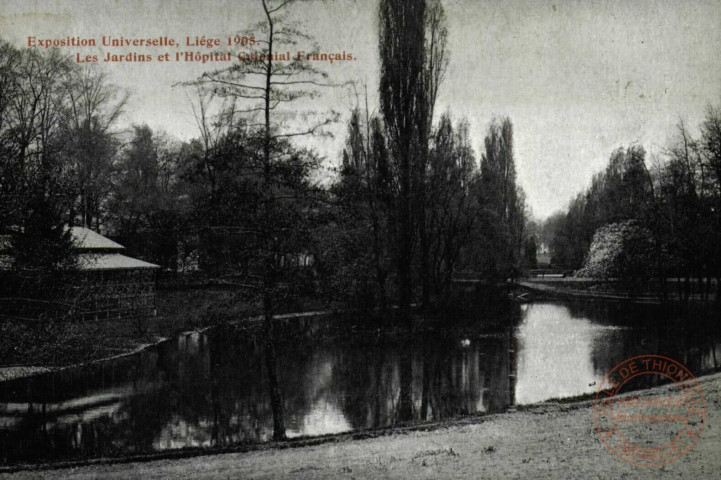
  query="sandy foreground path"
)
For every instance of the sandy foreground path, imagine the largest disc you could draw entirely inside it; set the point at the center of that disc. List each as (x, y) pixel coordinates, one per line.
(545, 441)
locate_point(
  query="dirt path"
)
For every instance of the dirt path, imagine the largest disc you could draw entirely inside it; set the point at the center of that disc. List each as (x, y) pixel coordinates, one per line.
(545, 441)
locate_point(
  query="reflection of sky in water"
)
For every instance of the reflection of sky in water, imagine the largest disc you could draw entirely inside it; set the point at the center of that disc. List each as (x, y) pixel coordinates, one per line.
(178, 433)
(323, 418)
(554, 354)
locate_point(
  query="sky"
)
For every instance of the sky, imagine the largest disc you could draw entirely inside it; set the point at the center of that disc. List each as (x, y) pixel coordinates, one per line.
(577, 78)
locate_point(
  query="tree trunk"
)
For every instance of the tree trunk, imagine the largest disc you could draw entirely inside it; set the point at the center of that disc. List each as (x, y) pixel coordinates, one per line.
(405, 253)
(276, 398)
(425, 271)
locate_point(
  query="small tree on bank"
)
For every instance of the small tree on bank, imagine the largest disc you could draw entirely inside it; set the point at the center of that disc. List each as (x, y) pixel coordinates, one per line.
(275, 178)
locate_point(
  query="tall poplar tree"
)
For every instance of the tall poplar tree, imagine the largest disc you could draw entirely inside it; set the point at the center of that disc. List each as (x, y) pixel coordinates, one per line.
(405, 112)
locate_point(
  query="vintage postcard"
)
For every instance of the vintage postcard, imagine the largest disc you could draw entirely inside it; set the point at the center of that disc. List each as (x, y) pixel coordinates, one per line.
(360, 239)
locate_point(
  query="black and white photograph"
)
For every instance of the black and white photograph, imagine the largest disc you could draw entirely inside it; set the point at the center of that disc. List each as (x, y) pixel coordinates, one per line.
(359, 239)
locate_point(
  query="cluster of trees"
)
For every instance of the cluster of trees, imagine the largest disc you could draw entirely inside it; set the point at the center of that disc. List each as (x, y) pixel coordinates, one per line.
(677, 200)
(621, 192)
(472, 217)
(403, 209)
(65, 161)
(410, 203)
(414, 203)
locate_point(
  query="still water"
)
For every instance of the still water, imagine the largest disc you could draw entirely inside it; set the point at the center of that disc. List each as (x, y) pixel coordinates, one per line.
(210, 389)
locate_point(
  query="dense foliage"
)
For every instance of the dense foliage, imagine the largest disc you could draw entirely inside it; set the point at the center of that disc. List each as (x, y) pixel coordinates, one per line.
(677, 201)
(244, 204)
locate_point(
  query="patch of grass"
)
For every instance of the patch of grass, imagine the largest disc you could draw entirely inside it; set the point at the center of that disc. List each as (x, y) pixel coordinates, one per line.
(53, 343)
(61, 343)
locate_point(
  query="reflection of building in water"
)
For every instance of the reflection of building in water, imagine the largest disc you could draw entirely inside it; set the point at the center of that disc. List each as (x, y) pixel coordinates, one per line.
(77, 410)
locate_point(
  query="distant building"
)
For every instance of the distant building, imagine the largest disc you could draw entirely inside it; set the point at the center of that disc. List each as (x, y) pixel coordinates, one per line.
(543, 260)
(106, 284)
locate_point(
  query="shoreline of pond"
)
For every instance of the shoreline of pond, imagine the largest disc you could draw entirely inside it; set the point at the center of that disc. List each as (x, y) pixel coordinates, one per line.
(601, 290)
(183, 314)
(25, 371)
(32, 347)
(497, 437)
(183, 317)
(241, 326)
(35, 348)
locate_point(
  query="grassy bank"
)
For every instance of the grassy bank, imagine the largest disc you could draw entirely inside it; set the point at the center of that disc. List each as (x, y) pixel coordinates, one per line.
(47, 343)
(50, 343)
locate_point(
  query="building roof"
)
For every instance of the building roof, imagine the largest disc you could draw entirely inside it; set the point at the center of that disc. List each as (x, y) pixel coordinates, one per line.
(86, 239)
(95, 252)
(111, 261)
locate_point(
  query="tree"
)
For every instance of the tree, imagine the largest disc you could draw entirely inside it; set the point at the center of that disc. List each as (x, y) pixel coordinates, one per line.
(94, 108)
(626, 190)
(403, 100)
(144, 203)
(453, 179)
(622, 192)
(278, 174)
(711, 168)
(360, 228)
(530, 250)
(503, 210)
(436, 62)
(683, 216)
(34, 180)
(622, 250)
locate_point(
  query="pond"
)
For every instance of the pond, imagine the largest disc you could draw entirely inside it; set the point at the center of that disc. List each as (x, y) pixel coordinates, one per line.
(210, 389)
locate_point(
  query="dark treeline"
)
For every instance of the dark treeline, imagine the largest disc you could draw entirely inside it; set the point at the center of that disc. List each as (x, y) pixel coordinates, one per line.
(64, 160)
(242, 204)
(414, 202)
(664, 214)
(473, 214)
(245, 205)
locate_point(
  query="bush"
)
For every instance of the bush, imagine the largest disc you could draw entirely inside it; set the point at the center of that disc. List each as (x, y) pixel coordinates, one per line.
(619, 250)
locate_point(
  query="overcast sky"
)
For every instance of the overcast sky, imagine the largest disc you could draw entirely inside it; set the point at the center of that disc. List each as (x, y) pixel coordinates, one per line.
(577, 78)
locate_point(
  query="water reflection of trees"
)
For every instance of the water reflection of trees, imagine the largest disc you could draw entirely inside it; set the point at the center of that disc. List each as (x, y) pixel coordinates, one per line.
(211, 390)
(442, 379)
(688, 334)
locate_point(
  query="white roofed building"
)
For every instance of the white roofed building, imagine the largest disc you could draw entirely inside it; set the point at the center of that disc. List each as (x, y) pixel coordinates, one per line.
(106, 283)
(97, 252)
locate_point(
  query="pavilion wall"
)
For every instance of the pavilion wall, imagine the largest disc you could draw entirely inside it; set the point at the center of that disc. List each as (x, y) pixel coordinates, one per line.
(81, 295)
